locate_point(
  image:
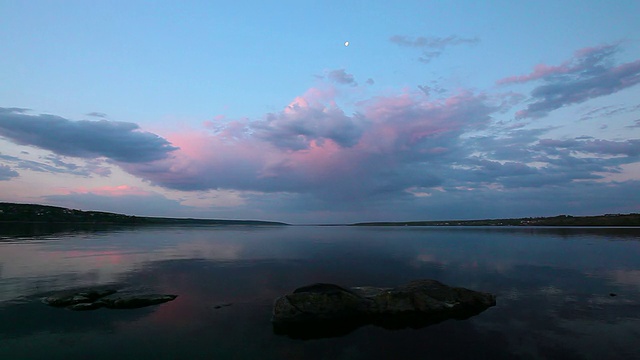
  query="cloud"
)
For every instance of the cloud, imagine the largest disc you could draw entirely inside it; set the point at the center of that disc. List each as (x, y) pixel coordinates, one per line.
(635, 125)
(313, 147)
(398, 147)
(113, 191)
(432, 42)
(605, 112)
(432, 47)
(98, 115)
(425, 89)
(7, 173)
(120, 199)
(629, 148)
(340, 76)
(526, 159)
(307, 119)
(90, 166)
(118, 141)
(589, 74)
(57, 165)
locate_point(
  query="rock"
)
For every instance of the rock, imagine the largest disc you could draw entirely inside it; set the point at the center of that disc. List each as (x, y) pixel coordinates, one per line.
(133, 301)
(317, 302)
(323, 310)
(85, 306)
(74, 297)
(91, 299)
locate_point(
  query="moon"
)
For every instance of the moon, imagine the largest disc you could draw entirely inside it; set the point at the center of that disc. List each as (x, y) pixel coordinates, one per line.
(346, 43)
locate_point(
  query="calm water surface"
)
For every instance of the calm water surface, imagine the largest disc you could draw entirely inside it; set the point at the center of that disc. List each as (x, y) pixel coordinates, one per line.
(554, 291)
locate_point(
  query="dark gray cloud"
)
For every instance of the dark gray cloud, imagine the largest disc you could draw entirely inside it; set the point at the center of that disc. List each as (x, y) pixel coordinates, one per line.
(301, 122)
(98, 115)
(432, 42)
(431, 47)
(58, 161)
(56, 165)
(557, 162)
(635, 125)
(630, 148)
(425, 89)
(118, 141)
(7, 173)
(603, 111)
(340, 76)
(428, 90)
(591, 73)
(16, 110)
(608, 111)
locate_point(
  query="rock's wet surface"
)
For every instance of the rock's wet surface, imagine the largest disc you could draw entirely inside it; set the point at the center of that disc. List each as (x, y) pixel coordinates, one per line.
(91, 299)
(326, 310)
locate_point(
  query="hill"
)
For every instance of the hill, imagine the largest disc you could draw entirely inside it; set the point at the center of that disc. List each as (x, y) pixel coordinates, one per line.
(560, 220)
(33, 213)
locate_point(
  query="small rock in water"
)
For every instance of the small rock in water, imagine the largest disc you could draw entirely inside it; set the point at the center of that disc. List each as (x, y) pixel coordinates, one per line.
(91, 299)
(613, 294)
(220, 306)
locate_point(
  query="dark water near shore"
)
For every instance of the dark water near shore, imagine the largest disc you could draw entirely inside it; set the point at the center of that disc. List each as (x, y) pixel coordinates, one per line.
(554, 290)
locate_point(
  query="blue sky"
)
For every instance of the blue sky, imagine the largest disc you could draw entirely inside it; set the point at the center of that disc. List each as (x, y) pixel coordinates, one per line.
(248, 109)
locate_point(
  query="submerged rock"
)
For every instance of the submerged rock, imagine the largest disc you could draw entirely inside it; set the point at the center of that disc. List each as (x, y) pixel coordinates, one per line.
(220, 306)
(74, 297)
(85, 306)
(132, 301)
(91, 299)
(323, 310)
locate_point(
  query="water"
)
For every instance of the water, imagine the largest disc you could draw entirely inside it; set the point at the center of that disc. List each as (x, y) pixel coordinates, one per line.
(554, 291)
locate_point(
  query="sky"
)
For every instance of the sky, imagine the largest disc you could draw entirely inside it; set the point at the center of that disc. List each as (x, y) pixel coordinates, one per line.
(259, 110)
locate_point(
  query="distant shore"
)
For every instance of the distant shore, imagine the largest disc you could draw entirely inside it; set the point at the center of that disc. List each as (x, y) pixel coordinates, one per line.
(15, 213)
(560, 220)
(45, 214)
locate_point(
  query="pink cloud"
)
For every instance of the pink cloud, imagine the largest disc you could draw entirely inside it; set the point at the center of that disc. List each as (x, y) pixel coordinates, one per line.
(539, 71)
(583, 59)
(401, 122)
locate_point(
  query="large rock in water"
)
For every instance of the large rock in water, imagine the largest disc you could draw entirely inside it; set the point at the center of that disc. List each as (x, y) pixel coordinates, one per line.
(325, 310)
(91, 299)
